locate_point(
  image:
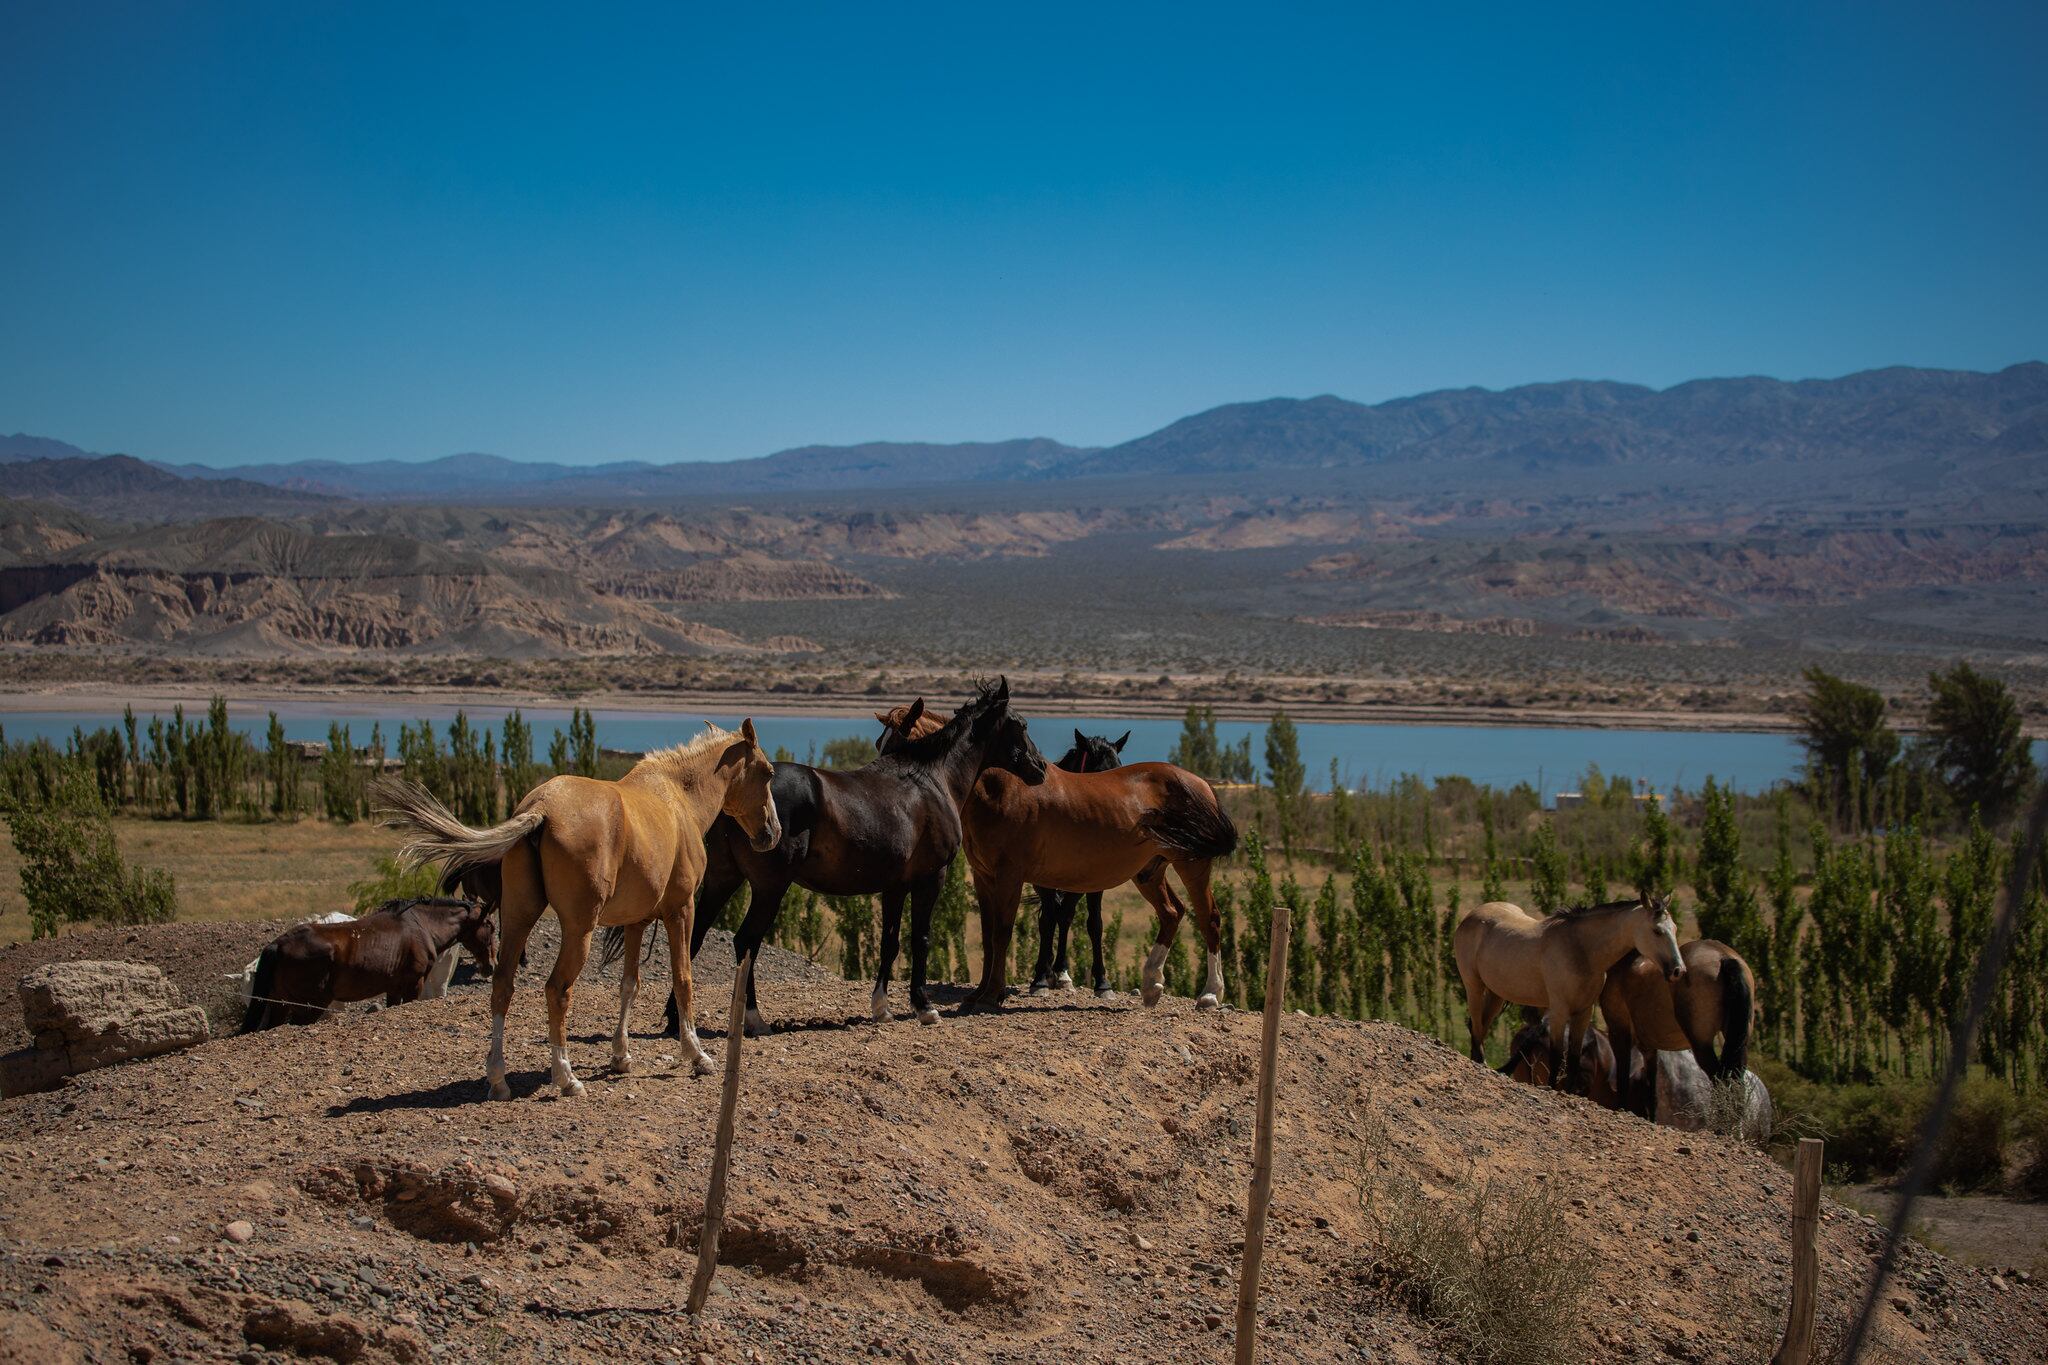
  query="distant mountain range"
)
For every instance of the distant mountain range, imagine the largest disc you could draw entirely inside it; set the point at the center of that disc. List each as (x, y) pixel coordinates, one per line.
(1898, 424)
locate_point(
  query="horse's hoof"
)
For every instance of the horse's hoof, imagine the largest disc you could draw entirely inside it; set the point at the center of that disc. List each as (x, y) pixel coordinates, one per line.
(703, 1065)
(1105, 993)
(927, 1015)
(623, 1062)
(757, 1026)
(879, 1011)
(571, 1088)
(500, 1090)
(1152, 993)
(1206, 1001)
(1063, 981)
(1039, 988)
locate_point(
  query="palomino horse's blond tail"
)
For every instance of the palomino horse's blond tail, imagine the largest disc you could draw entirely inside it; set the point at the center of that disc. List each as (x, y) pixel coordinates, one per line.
(438, 837)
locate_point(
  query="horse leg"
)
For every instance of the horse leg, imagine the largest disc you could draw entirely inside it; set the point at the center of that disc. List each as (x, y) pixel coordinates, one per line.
(1102, 987)
(1063, 925)
(1048, 926)
(629, 986)
(680, 986)
(524, 900)
(1151, 884)
(561, 990)
(892, 938)
(1482, 1007)
(998, 901)
(764, 905)
(923, 896)
(1195, 877)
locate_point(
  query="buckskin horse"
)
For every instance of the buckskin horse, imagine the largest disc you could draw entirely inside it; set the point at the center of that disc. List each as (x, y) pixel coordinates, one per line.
(390, 951)
(1647, 1013)
(888, 829)
(624, 853)
(1085, 832)
(1557, 963)
(1090, 754)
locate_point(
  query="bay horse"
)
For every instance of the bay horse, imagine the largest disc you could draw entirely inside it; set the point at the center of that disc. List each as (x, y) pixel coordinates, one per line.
(888, 829)
(1090, 754)
(1531, 1062)
(625, 853)
(1557, 963)
(1647, 1013)
(391, 951)
(1082, 832)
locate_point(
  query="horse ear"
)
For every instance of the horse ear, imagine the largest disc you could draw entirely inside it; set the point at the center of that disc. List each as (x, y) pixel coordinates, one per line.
(1119, 745)
(1080, 740)
(747, 731)
(912, 716)
(882, 718)
(1002, 692)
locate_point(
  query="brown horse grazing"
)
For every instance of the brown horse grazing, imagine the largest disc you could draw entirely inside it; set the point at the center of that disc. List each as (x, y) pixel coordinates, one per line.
(627, 852)
(1644, 1010)
(1087, 832)
(1530, 1062)
(1559, 963)
(388, 952)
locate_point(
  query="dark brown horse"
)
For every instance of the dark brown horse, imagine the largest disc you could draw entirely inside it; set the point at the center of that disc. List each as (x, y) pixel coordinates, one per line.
(1092, 832)
(1646, 1010)
(1531, 1062)
(888, 829)
(388, 952)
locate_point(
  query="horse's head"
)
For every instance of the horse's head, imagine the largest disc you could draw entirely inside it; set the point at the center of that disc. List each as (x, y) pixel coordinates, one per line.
(1004, 737)
(1094, 754)
(750, 794)
(1657, 936)
(479, 934)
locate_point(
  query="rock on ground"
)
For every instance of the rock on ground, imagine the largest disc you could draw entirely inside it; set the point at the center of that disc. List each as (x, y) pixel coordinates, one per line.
(86, 1015)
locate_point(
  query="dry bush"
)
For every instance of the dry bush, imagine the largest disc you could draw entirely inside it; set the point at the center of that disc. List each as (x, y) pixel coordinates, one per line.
(1492, 1265)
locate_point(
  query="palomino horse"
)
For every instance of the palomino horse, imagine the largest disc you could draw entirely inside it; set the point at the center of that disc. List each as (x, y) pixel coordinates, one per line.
(1091, 832)
(891, 828)
(388, 952)
(1646, 1012)
(1090, 754)
(1530, 1062)
(625, 852)
(1558, 963)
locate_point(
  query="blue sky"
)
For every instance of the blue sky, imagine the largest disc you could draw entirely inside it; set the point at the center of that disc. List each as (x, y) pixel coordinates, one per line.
(253, 232)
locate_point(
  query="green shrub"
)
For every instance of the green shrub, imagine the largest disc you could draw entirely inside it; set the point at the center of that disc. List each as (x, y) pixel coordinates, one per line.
(2031, 1178)
(1973, 1148)
(71, 868)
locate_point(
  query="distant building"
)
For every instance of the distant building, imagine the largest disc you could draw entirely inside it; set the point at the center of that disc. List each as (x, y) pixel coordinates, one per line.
(1570, 800)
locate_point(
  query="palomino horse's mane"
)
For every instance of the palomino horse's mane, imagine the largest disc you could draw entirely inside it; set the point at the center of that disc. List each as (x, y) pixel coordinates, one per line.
(688, 749)
(929, 721)
(1604, 908)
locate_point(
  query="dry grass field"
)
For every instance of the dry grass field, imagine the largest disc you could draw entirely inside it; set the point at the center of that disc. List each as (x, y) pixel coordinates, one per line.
(228, 870)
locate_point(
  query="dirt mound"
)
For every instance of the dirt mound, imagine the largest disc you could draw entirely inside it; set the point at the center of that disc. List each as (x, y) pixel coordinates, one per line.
(1063, 1182)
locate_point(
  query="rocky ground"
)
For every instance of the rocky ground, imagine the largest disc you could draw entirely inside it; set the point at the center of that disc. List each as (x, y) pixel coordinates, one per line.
(1064, 1182)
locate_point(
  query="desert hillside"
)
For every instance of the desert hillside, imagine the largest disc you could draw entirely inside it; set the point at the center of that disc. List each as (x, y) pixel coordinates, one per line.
(1061, 1183)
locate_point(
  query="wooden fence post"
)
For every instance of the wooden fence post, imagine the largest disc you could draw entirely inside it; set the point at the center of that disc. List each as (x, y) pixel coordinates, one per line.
(1798, 1342)
(721, 1152)
(1262, 1144)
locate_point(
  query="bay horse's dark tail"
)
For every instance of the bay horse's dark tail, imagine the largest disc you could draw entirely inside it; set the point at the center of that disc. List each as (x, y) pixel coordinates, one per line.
(1738, 1009)
(1185, 824)
(261, 989)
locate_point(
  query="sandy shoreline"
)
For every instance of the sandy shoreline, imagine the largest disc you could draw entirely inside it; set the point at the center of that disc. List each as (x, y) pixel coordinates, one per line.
(91, 696)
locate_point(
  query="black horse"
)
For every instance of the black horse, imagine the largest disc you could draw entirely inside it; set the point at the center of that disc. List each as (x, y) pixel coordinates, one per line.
(888, 829)
(1090, 754)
